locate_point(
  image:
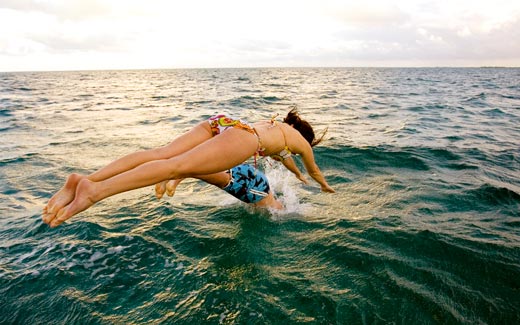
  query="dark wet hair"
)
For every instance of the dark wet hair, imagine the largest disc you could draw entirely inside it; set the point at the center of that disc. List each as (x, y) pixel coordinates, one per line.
(293, 118)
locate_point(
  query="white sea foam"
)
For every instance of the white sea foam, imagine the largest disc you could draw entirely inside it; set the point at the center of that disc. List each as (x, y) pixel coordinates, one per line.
(286, 188)
(118, 249)
(167, 263)
(96, 256)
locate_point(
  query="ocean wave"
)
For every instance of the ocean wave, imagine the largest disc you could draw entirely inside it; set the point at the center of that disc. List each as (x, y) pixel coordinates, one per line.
(247, 101)
(6, 112)
(423, 226)
(18, 159)
(197, 103)
(374, 158)
(489, 195)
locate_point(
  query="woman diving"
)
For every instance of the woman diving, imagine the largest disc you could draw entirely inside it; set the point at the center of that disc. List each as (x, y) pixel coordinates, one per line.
(212, 146)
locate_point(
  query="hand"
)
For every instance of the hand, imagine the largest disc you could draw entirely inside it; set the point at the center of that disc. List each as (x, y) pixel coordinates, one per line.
(327, 188)
(303, 179)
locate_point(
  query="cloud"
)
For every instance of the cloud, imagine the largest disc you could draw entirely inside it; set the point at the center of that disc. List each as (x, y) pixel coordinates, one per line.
(61, 9)
(35, 27)
(366, 13)
(425, 32)
(200, 33)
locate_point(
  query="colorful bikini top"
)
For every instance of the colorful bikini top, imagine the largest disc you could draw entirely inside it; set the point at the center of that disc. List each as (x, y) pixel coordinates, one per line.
(282, 155)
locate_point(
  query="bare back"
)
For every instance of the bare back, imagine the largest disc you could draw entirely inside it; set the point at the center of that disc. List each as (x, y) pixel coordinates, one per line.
(274, 138)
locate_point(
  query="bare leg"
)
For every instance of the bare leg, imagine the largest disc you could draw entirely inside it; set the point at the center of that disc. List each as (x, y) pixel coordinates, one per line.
(181, 144)
(220, 180)
(270, 202)
(214, 155)
(86, 190)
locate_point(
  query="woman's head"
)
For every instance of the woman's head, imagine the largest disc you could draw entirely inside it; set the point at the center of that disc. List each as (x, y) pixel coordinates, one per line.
(293, 118)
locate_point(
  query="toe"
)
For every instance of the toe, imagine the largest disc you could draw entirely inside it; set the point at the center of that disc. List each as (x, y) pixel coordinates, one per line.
(170, 187)
(59, 219)
(160, 188)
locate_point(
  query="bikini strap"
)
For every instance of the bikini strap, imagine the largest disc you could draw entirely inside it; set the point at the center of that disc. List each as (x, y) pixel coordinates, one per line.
(285, 140)
(273, 118)
(259, 149)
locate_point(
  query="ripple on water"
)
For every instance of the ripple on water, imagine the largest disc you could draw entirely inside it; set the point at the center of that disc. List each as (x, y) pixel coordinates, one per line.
(423, 226)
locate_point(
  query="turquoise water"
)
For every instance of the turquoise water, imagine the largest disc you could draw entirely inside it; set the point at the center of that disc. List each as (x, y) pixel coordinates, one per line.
(424, 227)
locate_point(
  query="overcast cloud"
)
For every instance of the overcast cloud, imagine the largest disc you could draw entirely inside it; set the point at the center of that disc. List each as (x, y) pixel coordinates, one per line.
(131, 34)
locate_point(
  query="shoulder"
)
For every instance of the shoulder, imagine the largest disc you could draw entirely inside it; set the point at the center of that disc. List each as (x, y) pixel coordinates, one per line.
(295, 140)
(289, 130)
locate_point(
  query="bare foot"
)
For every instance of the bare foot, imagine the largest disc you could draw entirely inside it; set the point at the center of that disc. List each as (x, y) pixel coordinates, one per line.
(83, 200)
(160, 188)
(63, 197)
(171, 186)
(167, 186)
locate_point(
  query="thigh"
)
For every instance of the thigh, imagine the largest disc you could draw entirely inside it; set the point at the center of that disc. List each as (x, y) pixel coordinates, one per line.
(217, 154)
(189, 140)
(220, 179)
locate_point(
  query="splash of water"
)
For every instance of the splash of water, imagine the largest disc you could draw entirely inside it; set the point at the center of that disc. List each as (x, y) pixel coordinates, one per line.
(286, 189)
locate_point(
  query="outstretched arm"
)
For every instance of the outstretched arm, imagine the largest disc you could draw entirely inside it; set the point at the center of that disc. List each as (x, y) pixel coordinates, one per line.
(291, 165)
(316, 174)
(299, 145)
(314, 171)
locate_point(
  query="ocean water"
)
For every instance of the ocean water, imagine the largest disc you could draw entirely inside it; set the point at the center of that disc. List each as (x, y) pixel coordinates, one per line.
(424, 227)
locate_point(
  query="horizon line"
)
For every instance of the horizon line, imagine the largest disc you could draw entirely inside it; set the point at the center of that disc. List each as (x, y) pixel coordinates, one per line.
(271, 67)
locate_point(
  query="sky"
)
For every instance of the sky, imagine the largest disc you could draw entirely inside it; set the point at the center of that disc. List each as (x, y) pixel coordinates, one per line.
(43, 35)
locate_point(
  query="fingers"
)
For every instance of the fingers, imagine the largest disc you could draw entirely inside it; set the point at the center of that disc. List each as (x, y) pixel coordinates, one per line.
(326, 188)
(160, 188)
(303, 179)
